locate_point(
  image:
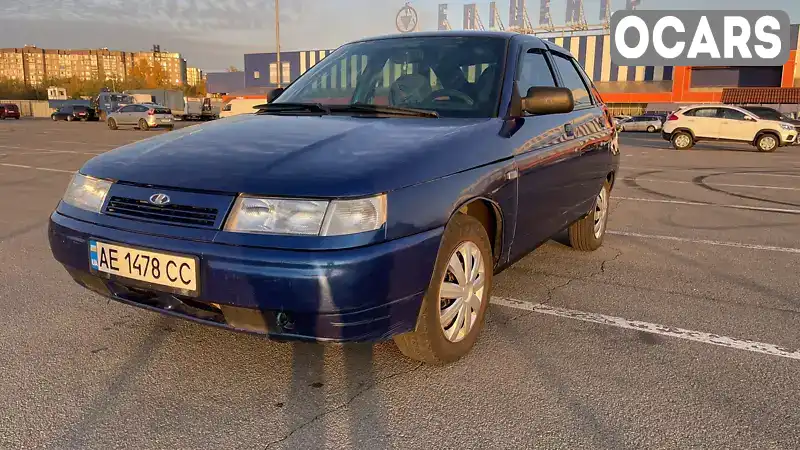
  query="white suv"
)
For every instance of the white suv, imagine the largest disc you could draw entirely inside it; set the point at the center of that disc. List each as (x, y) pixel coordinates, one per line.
(687, 126)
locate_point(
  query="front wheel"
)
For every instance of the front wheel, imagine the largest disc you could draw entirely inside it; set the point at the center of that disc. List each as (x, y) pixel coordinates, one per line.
(587, 234)
(143, 125)
(112, 124)
(767, 143)
(651, 129)
(454, 306)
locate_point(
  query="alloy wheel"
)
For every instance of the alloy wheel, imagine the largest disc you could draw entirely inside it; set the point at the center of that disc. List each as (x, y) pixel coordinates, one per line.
(768, 143)
(600, 213)
(683, 141)
(462, 291)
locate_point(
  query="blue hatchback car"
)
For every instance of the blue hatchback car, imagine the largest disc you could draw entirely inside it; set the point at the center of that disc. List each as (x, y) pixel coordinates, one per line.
(373, 198)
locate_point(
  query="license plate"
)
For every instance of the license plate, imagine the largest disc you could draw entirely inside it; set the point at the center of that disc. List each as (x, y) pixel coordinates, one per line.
(161, 269)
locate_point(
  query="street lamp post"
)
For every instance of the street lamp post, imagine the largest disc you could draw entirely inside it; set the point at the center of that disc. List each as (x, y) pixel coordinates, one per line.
(278, 41)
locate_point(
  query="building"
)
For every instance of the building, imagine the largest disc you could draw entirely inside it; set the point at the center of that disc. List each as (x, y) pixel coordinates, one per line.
(221, 83)
(173, 64)
(194, 76)
(261, 69)
(33, 65)
(629, 90)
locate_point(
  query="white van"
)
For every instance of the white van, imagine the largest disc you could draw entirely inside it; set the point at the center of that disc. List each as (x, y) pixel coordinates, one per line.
(241, 106)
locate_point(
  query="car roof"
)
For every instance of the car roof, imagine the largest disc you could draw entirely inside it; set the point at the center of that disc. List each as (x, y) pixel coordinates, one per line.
(448, 33)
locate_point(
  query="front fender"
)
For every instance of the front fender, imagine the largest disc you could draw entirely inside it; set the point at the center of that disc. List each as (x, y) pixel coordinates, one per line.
(423, 207)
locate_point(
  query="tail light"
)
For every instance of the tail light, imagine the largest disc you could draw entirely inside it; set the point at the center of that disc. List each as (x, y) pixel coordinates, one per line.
(151, 112)
(672, 117)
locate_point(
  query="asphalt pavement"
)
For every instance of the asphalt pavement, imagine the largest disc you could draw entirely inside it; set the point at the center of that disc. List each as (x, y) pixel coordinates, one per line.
(682, 331)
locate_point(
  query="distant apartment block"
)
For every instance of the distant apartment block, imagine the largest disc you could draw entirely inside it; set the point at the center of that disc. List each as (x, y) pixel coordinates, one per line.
(194, 76)
(33, 65)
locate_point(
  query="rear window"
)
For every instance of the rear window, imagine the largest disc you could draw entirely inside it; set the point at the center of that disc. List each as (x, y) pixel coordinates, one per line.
(161, 111)
(79, 108)
(12, 107)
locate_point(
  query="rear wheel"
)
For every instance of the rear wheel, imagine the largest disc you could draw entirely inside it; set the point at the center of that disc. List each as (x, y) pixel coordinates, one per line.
(143, 125)
(70, 118)
(587, 234)
(767, 143)
(454, 306)
(112, 124)
(651, 129)
(54, 118)
(682, 140)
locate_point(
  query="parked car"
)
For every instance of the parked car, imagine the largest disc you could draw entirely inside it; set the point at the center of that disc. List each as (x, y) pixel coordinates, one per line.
(239, 106)
(142, 117)
(686, 127)
(354, 216)
(651, 124)
(74, 112)
(9, 111)
(766, 113)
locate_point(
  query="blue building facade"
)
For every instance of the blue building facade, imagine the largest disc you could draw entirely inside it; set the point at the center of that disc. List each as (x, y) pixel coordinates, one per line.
(224, 82)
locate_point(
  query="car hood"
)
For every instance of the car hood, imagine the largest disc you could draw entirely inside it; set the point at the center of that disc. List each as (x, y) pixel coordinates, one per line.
(328, 156)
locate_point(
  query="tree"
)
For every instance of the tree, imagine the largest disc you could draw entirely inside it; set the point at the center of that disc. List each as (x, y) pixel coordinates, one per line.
(145, 75)
(233, 69)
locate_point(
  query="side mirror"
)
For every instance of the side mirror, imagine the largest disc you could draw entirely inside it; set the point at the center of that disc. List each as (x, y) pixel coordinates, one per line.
(273, 94)
(548, 100)
(749, 119)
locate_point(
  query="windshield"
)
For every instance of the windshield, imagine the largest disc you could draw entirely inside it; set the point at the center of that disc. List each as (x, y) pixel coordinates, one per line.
(121, 98)
(453, 76)
(768, 114)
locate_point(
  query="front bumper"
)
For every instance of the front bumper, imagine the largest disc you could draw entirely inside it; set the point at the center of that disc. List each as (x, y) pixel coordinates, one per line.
(363, 294)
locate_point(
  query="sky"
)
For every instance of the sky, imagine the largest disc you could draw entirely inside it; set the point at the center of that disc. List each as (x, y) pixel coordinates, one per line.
(215, 34)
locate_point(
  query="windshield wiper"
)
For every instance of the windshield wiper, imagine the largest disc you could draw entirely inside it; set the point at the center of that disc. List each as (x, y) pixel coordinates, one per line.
(382, 109)
(269, 108)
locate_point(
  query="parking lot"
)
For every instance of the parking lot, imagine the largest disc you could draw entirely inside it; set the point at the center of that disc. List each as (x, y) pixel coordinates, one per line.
(682, 331)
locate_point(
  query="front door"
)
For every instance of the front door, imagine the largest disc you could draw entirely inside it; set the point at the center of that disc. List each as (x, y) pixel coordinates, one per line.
(737, 126)
(546, 156)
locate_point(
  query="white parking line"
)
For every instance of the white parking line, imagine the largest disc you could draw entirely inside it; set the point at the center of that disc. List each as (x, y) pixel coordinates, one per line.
(718, 205)
(651, 328)
(46, 151)
(769, 248)
(689, 169)
(755, 186)
(46, 169)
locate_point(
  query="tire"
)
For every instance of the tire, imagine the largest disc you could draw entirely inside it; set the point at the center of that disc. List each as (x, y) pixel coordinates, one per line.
(70, 118)
(171, 128)
(682, 140)
(112, 124)
(143, 125)
(428, 343)
(651, 129)
(588, 233)
(54, 118)
(767, 142)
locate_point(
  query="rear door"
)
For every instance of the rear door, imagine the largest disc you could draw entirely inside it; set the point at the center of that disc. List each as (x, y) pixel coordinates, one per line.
(545, 156)
(704, 122)
(125, 115)
(594, 134)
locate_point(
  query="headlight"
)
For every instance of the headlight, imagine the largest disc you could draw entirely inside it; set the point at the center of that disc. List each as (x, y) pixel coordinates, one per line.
(787, 127)
(306, 217)
(87, 192)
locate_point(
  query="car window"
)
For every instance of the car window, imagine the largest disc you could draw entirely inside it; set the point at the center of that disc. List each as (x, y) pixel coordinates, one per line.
(573, 80)
(702, 112)
(456, 76)
(767, 113)
(127, 109)
(733, 114)
(142, 109)
(534, 71)
(66, 109)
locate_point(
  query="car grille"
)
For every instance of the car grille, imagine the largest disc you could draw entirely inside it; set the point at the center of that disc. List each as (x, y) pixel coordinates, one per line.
(171, 214)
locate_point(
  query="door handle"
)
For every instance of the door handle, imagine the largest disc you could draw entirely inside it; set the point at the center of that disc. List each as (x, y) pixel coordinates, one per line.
(568, 129)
